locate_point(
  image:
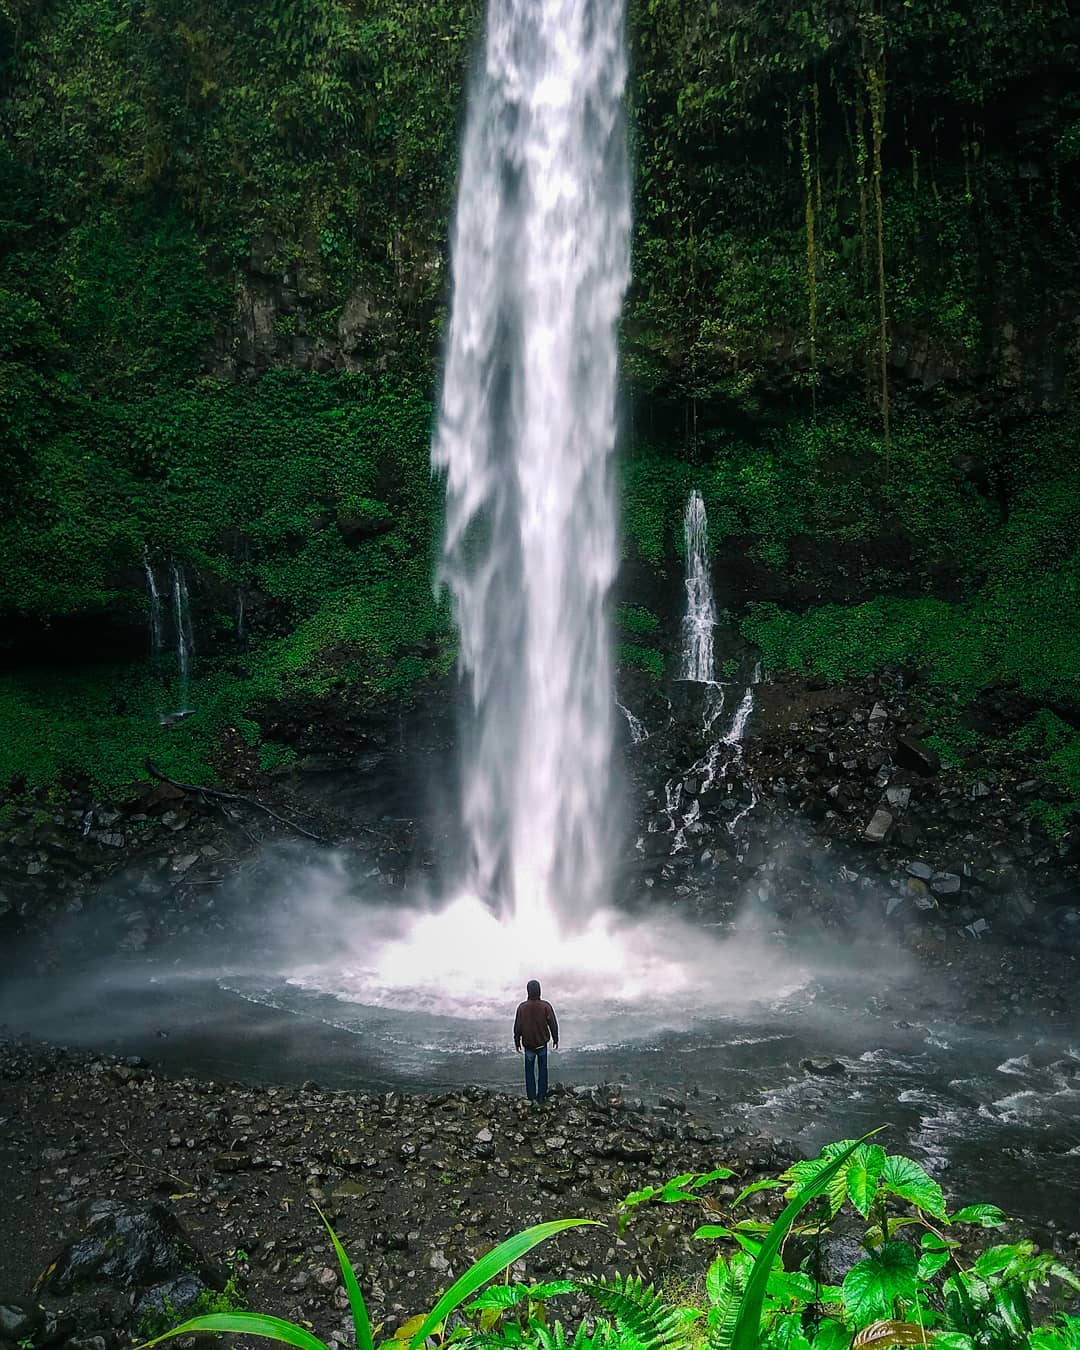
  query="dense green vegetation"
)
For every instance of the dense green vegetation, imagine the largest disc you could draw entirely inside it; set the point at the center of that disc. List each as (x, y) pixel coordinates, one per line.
(917, 1285)
(222, 281)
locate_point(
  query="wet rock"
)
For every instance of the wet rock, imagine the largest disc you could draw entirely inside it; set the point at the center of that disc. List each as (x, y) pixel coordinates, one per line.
(127, 1247)
(823, 1067)
(922, 871)
(20, 1320)
(877, 830)
(912, 753)
(945, 884)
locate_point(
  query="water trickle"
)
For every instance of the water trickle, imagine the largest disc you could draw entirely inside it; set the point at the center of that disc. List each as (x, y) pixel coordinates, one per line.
(700, 619)
(639, 732)
(525, 435)
(157, 636)
(185, 637)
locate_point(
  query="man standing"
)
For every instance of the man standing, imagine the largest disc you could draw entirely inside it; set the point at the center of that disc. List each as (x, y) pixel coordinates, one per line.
(534, 1026)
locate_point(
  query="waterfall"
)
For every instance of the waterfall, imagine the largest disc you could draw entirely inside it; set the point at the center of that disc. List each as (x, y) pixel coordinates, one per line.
(700, 617)
(639, 732)
(525, 435)
(185, 638)
(157, 638)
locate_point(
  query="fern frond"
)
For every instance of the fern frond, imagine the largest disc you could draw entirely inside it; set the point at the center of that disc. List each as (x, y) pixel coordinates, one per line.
(641, 1315)
(727, 1284)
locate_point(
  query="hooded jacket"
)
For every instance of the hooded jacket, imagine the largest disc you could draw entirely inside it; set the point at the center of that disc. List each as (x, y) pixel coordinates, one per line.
(535, 1023)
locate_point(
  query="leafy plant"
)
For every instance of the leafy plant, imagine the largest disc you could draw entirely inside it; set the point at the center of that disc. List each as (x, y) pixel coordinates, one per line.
(290, 1333)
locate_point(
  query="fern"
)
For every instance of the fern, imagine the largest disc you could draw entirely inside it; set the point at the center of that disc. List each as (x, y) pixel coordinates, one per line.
(726, 1284)
(642, 1318)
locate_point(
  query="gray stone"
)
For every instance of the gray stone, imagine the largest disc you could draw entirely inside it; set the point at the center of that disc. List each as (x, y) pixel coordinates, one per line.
(898, 798)
(880, 824)
(484, 1136)
(980, 789)
(945, 884)
(920, 870)
(822, 1067)
(878, 714)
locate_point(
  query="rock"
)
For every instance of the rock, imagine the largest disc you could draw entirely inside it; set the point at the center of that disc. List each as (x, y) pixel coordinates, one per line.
(914, 754)
(127, 1247)
(231, 1162)
(171, 1300)
(878, 714)
(898, 798)
(980, 789)
(823, 1068)
(945, 884)
(920, 870)
(484, 1136)
(20, 1320)
(880, 824)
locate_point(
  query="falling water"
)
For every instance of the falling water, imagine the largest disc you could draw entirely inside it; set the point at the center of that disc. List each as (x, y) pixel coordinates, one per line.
(185, 638)
(525, 436)
(639, 732)
(157, 639)
(700, 617)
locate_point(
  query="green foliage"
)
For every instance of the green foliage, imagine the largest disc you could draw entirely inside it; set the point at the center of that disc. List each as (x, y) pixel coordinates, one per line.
(647, 659)
(637, 620)
(274, 755)
(914, 1287)
(478, 1274)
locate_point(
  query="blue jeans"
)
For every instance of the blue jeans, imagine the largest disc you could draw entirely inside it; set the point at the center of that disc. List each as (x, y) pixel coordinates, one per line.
(536, 1059)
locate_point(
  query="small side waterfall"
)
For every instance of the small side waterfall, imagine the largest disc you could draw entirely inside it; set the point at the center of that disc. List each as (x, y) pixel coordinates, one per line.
(185, 637)
(638, 730)
(700, 620)
(157, 636)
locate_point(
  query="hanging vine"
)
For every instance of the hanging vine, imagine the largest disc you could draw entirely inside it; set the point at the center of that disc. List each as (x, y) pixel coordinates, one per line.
(875, 80)
(811, 258)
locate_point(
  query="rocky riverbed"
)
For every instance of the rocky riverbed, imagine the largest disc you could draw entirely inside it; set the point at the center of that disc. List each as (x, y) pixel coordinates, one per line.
(110, 1152)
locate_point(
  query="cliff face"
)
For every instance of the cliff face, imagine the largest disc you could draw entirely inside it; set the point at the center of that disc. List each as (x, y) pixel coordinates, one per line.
(223, 277)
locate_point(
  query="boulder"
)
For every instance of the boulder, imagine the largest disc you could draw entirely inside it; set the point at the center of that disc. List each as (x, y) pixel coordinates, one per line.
(912, 753)
(128, 1247)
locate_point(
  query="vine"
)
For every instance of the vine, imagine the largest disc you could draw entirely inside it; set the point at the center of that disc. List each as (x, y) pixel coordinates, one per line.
(876, 92)
(811, 261)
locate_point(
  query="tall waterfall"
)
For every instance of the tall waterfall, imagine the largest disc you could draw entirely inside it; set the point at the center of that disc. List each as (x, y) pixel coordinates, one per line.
(700, 618)
(525, 436)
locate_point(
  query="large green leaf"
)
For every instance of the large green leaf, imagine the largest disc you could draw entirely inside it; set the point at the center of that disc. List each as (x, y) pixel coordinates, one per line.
(905, 1179)
(863, 1173)
(246, 1324)
(748, 1322)
(361, 1322)
(871, 1287)
(494, 1263)
(986, 1216)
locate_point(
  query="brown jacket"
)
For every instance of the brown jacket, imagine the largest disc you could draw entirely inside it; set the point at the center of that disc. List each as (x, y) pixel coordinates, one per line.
(535, 1019)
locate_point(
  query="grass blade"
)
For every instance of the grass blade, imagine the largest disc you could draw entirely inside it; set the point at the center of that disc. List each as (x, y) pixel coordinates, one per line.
(246, 1324)
(748, 1323)
(356, 1299)
(494, 1263)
